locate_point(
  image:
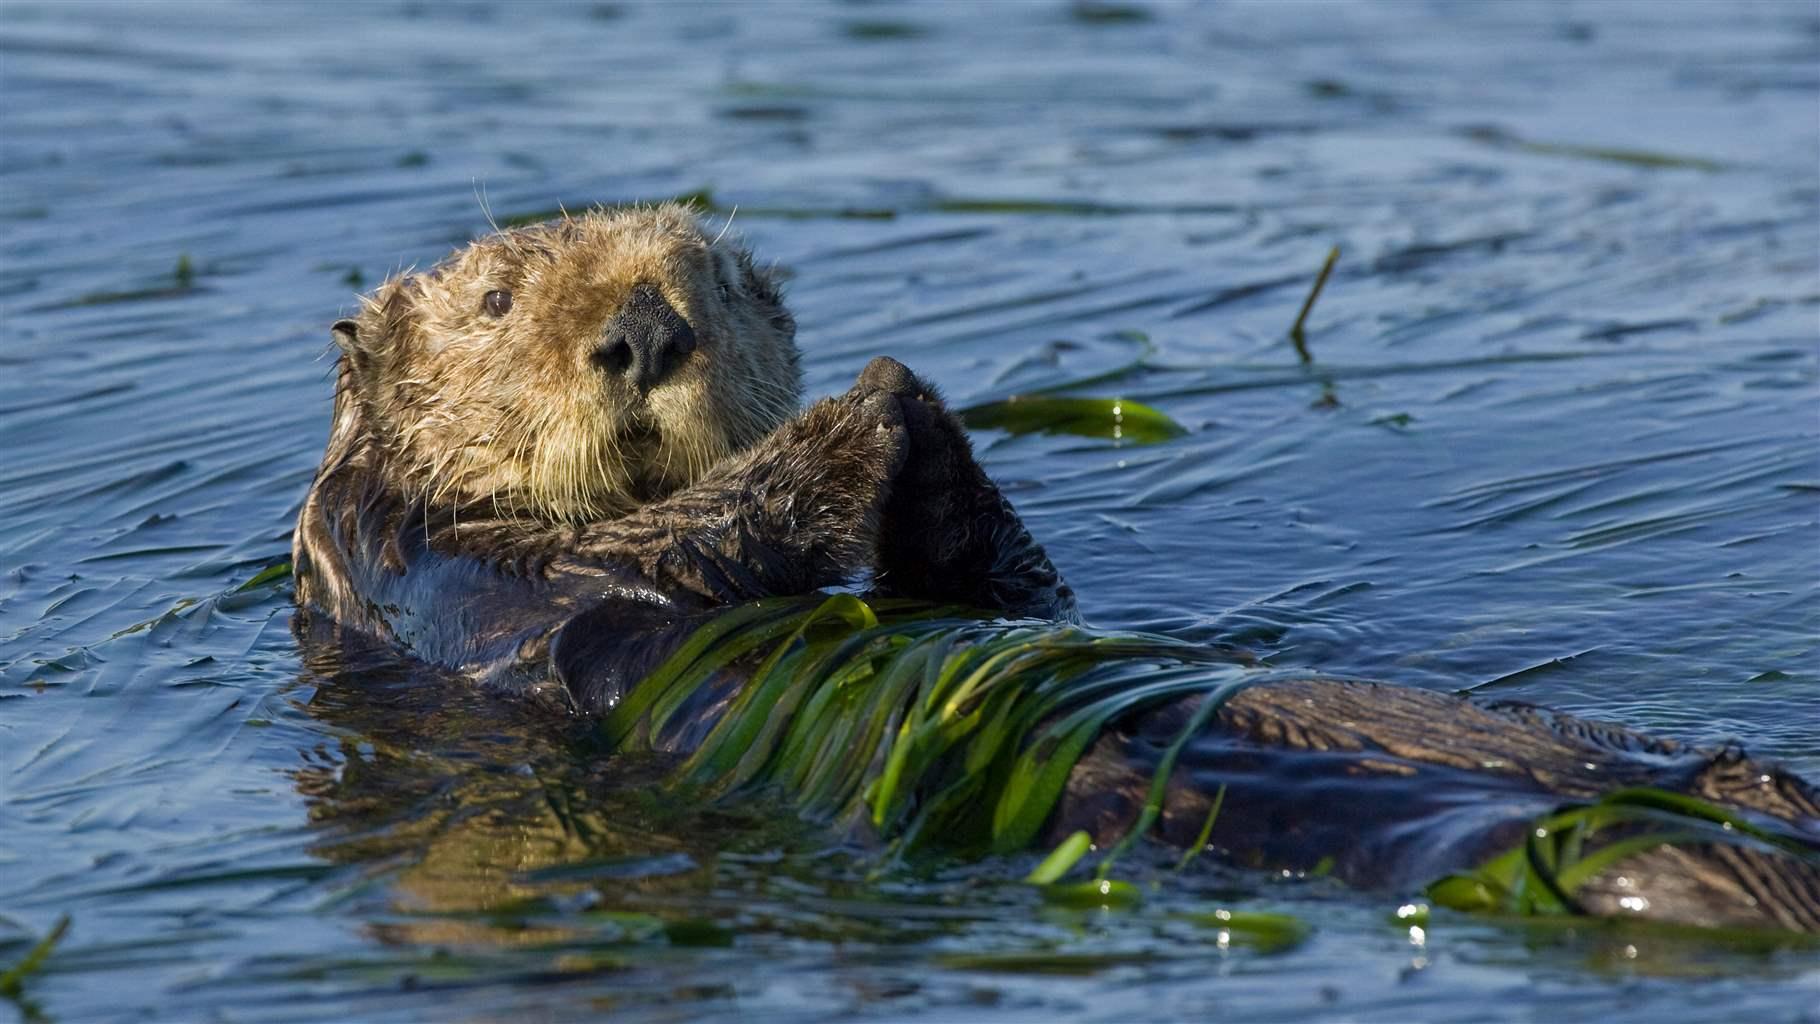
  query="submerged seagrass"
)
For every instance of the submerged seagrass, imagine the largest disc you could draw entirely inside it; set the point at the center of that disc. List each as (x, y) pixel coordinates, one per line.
(534, 479)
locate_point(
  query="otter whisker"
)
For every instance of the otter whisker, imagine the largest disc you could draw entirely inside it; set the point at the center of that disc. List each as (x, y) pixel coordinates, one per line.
(480, 194)
(725, 227)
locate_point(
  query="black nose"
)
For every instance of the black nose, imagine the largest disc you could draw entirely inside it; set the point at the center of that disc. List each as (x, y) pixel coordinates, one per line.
(647, 340)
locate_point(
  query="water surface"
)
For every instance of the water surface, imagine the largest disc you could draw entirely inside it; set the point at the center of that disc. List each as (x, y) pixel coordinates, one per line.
(1558, 440)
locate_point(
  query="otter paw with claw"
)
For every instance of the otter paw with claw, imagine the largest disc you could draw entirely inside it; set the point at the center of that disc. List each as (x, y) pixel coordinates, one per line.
(938, 442)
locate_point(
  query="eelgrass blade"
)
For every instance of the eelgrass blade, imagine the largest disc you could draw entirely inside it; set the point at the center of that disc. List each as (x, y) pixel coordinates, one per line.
(620, 723)
(1200, 840)
(1268, 932)
(1116, 419)
(732, 736)
(12, 980)
(1038, 777)
(1066, 855)
(1159, 785)
(1542, 875)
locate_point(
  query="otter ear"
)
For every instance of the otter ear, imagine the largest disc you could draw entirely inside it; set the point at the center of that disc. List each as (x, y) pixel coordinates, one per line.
(387, 317)
(765, 284)
(346, 334)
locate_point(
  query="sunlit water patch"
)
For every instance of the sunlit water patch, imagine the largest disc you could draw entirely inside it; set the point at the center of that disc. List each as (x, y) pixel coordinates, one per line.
(1557, 441)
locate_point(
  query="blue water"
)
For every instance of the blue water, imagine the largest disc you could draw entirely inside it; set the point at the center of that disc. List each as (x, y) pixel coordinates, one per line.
(1558, 440)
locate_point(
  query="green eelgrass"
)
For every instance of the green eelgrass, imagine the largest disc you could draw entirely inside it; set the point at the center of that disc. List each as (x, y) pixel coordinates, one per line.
(1297, 332)
(1542, 875)
(937, 728)
(916, 721)
(1116, 419)
(12, 980)
(1065, 855)
(270, 574)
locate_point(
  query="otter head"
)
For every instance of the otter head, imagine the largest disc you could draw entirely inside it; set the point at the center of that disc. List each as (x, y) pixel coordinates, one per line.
(570, 370)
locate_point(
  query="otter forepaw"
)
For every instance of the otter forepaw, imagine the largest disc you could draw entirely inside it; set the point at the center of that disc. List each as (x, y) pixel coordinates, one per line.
(937, 438)
(890, 439)
(860, 440)
(885, 374)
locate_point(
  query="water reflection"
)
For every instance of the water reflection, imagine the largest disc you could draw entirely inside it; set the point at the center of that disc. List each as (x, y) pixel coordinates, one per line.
(466, 804)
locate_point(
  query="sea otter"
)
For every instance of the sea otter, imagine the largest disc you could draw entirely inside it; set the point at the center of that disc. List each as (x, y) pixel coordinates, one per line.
(562, 449)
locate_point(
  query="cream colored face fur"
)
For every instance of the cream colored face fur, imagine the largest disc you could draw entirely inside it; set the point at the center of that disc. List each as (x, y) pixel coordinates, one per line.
(515, 409)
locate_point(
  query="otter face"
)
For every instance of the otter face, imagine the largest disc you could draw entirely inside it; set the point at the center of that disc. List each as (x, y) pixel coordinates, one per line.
(572, 370)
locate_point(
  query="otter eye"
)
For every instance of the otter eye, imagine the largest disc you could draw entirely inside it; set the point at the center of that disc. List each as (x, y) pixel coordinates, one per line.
(497, 303)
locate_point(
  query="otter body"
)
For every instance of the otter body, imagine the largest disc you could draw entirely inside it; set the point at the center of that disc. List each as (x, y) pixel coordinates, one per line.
(560, 450)
(596, 419)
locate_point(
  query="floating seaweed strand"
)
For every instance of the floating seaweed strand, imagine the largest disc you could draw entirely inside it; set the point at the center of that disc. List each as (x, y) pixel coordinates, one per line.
(908, 720)
(911, 723)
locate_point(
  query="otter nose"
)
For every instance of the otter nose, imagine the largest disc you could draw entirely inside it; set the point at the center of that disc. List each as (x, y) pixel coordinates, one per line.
(647, 340)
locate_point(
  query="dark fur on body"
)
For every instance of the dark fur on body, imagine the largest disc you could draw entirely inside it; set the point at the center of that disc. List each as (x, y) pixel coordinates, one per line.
(497, 502)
